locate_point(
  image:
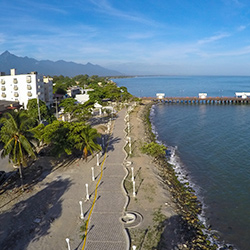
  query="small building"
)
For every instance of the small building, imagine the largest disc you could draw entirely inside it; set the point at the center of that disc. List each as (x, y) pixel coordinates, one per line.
(160, 95)
(202, 95)
(73, 91)
(242, 95)
(84, 96)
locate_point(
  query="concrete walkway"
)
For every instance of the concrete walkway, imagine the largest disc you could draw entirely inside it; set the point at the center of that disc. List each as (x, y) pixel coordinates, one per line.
(106, 231)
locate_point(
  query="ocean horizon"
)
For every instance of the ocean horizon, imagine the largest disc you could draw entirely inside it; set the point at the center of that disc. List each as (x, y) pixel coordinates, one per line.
(211, 146)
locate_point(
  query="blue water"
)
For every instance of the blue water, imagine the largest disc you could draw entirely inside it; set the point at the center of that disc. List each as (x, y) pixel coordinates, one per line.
(213, 144)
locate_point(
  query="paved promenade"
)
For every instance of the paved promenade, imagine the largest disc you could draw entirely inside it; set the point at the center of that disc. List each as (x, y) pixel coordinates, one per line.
(105, 230)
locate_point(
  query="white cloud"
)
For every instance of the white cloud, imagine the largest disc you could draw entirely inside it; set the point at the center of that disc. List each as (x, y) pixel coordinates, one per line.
(241, 28)
(105, 7)
(213, 38)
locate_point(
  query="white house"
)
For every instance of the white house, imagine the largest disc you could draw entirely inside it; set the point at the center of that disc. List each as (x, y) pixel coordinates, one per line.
(202, 95)
(242, 95)
(21, 88)
(84, 97)
(160, 95)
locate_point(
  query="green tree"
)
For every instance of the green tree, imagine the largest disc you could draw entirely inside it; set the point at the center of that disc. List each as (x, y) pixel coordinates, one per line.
(84, 138)
(32, 111)
(56, 135)
(17, 140)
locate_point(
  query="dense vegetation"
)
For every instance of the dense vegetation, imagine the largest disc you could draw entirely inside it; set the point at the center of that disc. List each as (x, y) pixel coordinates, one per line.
(102, 86)
(22, 129)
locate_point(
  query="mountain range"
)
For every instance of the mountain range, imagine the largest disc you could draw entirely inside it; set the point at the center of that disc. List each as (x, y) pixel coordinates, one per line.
(25, 65)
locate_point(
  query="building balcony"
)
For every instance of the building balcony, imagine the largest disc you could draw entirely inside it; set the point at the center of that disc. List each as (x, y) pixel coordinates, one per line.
(15, 80)
(2, 81)
(16, 94)
(29, 87)
(15, 88)
(29, 94)
(3, 88)
(3, 95)
(28, 79)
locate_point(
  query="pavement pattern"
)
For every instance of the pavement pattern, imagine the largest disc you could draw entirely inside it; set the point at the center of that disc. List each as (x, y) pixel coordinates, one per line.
(105, 229)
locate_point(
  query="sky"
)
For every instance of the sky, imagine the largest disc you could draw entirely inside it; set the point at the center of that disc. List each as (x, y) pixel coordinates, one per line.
(167, 37)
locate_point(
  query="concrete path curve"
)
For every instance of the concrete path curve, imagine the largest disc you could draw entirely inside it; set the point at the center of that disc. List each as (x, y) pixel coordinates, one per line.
(105, 230)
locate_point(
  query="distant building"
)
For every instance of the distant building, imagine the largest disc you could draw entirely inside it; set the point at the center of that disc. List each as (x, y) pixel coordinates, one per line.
(7, 105)
(73, 91)
(21, 88)
(84, 96)
(160, 95)
(202, 95)
(242, 95)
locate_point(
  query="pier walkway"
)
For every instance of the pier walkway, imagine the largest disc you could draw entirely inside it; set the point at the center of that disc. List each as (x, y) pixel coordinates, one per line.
(106, 231)
(197, 100)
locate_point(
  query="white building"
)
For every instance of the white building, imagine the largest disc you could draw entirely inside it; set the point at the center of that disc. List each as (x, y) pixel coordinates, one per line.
(242, 95)
(160, 95)
(84, 97)
(202, 95)
(22, 88)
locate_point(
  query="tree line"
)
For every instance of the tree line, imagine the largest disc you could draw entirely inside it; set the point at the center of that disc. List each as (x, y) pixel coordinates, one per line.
(23, 131)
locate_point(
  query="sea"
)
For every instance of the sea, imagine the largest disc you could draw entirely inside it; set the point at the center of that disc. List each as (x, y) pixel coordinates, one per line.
(210, 144)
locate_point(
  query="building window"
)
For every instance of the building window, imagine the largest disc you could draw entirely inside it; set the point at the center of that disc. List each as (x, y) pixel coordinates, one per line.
(29, 94)
(2, 81)
(3, 88)
(29, 87)
(3, 95)
(15, 80)
(15, 88)
(28, 79)
(16, 94)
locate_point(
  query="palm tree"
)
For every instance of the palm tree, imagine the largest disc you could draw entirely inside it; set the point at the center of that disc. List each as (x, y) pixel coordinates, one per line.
(17, 140)
(85, 138)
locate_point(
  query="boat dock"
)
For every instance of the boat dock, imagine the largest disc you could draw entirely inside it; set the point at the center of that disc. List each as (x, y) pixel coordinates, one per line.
(201, 100)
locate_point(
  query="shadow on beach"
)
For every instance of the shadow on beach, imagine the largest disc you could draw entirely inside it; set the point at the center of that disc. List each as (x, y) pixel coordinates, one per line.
(31, 219)
(34, 173)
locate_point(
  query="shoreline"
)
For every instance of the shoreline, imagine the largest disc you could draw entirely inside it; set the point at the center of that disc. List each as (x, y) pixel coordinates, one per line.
(160, 198)
(185, 197)
(187, 230)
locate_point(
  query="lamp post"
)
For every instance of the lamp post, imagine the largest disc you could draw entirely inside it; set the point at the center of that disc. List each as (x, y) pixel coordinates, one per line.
(87, 191)
(97, 160)
(81, 215)
(93, 173)
(67, 240)
(134, 194)
(132, 172)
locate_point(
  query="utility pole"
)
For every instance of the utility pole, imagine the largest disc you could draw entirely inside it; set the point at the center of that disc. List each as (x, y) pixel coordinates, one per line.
(39, 114)
(56, 110)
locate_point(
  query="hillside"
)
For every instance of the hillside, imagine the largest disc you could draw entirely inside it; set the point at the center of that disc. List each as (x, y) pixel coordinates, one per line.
(47, 67)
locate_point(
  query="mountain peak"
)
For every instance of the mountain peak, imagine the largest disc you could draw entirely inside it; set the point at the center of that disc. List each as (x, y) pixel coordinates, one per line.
(5, 53)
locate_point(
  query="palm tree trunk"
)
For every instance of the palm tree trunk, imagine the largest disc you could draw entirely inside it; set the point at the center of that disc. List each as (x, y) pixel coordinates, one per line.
(21, 175)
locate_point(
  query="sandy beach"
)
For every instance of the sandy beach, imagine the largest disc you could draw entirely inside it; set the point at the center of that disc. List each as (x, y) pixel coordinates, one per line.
(48, 211)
